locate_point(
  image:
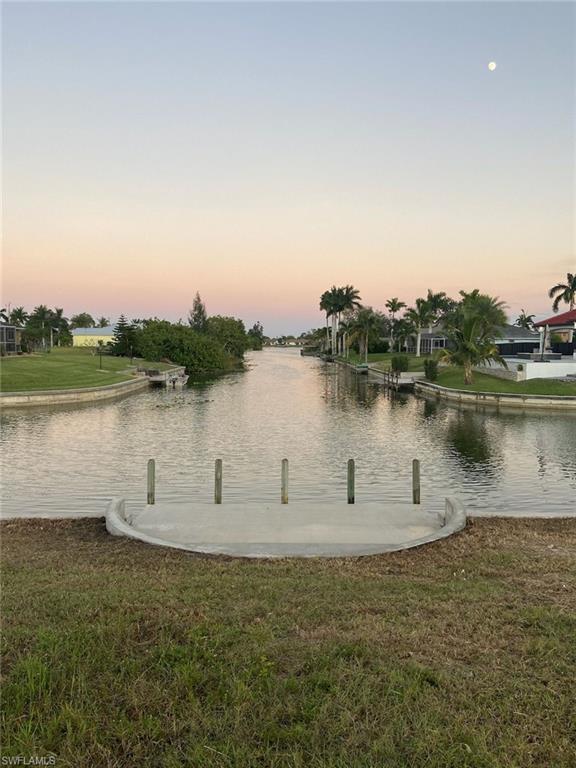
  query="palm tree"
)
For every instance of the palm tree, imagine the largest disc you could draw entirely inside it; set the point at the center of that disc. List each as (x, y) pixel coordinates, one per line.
(525, 321)
(564, 292)
(393, 305)
(420, 316)
(19, 317)
(471, 328)
(365, 325)
(403, 329)
(41, 317)
(103, 322)
(439, 303)
(326, 306)
(348, 300)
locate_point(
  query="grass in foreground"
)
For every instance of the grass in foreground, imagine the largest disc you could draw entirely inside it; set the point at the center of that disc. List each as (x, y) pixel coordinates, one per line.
(66, 368)
(459, 654)
(454, 377)
(382, 360)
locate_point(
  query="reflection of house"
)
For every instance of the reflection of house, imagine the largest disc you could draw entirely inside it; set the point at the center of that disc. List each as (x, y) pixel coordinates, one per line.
(558, 333)
(89, 337)
(10, 339)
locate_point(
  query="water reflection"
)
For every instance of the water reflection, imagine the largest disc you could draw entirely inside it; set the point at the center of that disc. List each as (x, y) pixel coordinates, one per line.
(72, 460)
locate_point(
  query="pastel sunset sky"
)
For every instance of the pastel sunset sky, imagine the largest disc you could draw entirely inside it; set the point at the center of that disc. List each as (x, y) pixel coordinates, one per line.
(259, 153)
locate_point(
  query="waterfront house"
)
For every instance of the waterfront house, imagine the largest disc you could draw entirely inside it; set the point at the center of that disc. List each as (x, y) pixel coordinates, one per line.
(10, 339)
(90, 337)
(558, 333)
(511, 341)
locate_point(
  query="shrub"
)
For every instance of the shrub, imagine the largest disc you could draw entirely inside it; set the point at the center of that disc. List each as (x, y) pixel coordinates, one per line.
(431, 369)
(399, 363)
(381, 345)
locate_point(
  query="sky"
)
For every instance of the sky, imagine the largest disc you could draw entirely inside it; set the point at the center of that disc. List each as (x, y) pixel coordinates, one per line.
(261, 152)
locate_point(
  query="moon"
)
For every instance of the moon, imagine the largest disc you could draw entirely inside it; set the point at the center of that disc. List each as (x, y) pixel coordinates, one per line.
(492, 66)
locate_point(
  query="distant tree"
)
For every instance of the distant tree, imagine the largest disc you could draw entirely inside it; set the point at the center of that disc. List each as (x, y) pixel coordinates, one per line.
(525, 321)
(256, 336)
(83, 320)
(565, 292)
(59, 325)
(40, 320)
(198, 317)
(438, 304)
(3, 315)
(393, 306)
(103, 322)
(19, 317)
(365, 325)
(420, 316)
(230, 332)
(124, 339)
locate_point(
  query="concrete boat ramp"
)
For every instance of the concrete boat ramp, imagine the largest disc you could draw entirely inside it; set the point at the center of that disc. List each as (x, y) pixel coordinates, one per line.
(300, 529)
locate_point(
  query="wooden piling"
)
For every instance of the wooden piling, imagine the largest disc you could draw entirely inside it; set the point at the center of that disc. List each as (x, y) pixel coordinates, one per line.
(284, 483)
(151, 482)
(415, 481)
(218, 482)
(351, 480)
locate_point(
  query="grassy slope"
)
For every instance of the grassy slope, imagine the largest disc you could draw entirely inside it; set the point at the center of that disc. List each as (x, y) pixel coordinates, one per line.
(63, 368)
(381, 360)
(453, 377)
(460, 654)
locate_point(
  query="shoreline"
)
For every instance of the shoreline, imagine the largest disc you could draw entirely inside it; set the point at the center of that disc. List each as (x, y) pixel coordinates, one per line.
(471, 397)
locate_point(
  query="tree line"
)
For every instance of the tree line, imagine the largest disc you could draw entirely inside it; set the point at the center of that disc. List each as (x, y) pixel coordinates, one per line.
(201, 343)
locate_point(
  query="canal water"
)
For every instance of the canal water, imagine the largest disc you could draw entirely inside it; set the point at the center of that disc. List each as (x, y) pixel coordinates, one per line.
(70, 461)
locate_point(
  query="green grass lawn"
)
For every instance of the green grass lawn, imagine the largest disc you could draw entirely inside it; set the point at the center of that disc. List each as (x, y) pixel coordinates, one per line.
(459, 654)
(66, 367)
(382, 360)
(453, 377)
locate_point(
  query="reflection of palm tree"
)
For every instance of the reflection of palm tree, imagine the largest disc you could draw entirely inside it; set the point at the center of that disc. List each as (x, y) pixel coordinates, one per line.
(564, 292)
(468, 437)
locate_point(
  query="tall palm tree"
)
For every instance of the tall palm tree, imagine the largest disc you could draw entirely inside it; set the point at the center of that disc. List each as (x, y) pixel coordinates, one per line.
(348, 300)
(326, 305)
(420, 316)
(19, 317)
(525, 321)
(439, 303)
(564, 292)
(103, 322)
(41, 317)
(365, 325)
(393, 305)
(471, 328)
(403, 329)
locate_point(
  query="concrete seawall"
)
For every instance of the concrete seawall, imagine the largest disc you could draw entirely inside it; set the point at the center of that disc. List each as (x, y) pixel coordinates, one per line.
(501, 399)
(70, 396)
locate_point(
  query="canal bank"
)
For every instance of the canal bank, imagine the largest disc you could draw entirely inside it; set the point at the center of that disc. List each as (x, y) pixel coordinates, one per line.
(70, 461)
(498, 399)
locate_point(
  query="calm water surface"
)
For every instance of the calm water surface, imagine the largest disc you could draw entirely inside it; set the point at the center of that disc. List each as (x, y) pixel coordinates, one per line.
(71, 461)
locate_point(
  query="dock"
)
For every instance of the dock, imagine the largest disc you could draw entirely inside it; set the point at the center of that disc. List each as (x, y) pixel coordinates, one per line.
(174, 377)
